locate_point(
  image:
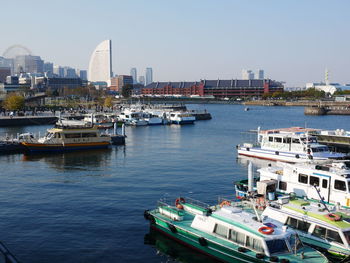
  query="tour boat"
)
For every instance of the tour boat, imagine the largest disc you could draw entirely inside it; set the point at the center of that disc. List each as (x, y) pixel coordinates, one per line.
(318, 225)
(101, 121)
(293, 145)
(229, 232)
(133, 118)
(68, 138)
(152, 119)
(178, 117)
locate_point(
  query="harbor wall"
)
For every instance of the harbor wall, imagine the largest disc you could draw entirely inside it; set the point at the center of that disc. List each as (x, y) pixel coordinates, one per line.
(27, 120)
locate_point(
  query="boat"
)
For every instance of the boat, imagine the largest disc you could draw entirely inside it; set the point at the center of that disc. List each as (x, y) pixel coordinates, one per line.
(178, 117)
(331, 180)
(228, 232)
(152, 119)
(101, 121)
(292, 145)
(323, 227)
(68, 138)
(339, 138)
(134, 118)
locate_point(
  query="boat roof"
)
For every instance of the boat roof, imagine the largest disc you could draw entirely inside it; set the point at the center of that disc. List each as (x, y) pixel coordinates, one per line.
(73, 129)
(292, 130)
(317, 212)
(245, 220)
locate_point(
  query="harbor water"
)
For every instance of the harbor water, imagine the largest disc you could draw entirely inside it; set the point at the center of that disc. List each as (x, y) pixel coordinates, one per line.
(88, 206)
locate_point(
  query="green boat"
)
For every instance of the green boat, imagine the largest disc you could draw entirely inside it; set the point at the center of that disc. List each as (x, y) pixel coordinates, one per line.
(229, 232)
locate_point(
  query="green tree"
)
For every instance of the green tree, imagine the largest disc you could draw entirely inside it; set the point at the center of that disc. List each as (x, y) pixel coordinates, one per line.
(126, 90)
(108, 102)
(14, 102)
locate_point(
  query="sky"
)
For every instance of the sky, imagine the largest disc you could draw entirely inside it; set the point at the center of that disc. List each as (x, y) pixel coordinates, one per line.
(188, 40)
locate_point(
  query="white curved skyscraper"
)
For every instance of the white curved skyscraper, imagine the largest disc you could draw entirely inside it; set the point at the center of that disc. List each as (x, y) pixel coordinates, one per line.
(100, 65)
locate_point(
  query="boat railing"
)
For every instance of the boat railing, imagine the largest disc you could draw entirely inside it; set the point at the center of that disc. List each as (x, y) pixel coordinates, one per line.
(187, 200)
(7, 255)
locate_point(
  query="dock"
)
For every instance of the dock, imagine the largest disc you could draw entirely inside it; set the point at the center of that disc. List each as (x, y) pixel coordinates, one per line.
(6, 121)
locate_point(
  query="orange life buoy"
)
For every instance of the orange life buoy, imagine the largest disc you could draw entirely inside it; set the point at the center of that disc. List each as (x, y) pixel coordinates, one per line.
(333, 217)
(266, 230)
(179, 201)
(225, 202)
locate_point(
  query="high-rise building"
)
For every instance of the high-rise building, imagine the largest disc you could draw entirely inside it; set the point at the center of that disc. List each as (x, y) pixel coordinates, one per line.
(48, 67)
(133, 73)
(100, 65)
(142, 80)
(82, 74)
(29, 64)
(247, 74)
(7, 63)
(69, 73)
(4, 72)
(117, 83)
(149, 76)
(58, 71)
(260, 74)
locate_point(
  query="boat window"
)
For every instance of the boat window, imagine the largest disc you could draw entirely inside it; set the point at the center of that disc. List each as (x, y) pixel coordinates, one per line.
(303, 178)
(277, 246)
(298, 224)
(294, 140)
(347, 236)
(314, 181)
(324, 183)
(339, 185)
(315, 150)
(58, 135)
(319, 232)
(334, 236)
(294, 242)
(282, 185)
(254, 244)
(277, 139)
(286, 140)
(270, 139)
(237, 237)
(73, 135)
(88, 134)
(221, 230)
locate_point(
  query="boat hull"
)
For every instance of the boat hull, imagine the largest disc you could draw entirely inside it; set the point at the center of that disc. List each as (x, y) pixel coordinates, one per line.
(37, 147)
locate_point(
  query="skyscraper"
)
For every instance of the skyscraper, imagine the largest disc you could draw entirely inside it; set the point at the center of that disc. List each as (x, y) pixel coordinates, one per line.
(82, 74)
(48, 67)
(59, 71)
(133, 73)
(28, 64)
(100, 65)
(149, 76)
(247, 74)
(260, 74)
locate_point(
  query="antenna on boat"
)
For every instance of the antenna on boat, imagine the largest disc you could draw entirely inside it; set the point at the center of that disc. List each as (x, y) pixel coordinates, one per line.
(250, 188)
(321, 199)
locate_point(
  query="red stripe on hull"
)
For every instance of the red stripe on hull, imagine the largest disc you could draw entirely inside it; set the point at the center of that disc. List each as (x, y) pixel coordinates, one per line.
(264, 158)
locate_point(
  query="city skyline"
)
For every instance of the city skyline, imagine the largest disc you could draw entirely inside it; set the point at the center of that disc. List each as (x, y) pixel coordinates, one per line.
(291, 40)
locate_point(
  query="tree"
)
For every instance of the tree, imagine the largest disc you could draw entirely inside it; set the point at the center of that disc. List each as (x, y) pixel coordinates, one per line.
(108, 102)
(126, 90)
(14, 102)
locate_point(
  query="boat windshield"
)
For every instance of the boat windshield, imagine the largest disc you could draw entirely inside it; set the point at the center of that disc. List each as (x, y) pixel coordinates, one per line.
(347, 236)
(319, 149)
(277, 246)
(49, 135)
(295, 242)
(309, 139)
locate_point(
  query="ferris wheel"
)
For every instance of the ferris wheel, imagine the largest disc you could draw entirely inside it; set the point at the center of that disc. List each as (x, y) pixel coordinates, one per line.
(16, 50)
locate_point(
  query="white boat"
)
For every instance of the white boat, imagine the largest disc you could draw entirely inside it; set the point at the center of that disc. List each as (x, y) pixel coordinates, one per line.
(293, 145)
(152, 119)
(101, 121)
(133, 118)
(323, 227)
(331, 179)
(178, 117)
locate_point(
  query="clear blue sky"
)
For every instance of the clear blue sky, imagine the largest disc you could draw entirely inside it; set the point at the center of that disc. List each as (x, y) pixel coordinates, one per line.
(292, 40)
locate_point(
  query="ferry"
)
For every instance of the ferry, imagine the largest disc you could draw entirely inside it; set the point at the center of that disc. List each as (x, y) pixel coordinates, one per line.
(68, 138)
(178, 117)
(292, 145)
(323, 227)
(134, 118)
(228, 232)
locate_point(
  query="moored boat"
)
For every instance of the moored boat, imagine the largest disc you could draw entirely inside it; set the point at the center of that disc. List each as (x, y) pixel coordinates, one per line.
(292, 145)
(177, 117)
(68, 138)
(229, 232)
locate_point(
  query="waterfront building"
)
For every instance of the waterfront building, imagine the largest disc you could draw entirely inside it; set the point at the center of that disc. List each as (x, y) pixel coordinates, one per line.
(61, 83)
(4, 72)
(247, 74)
(29, 64)
(142, 80)
(133, 73)
(100, 65)
(149, 76)
(217, 88)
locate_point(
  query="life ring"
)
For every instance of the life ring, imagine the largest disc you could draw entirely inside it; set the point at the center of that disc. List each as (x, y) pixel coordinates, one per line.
(225, 202)
(266, 230)
(179, 201)
(333, 217)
